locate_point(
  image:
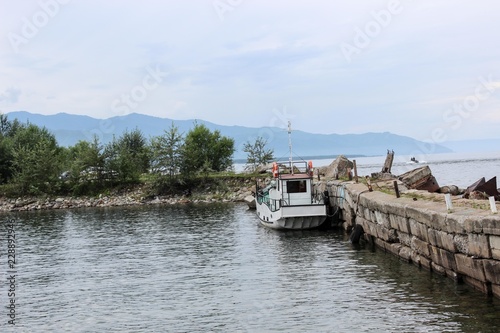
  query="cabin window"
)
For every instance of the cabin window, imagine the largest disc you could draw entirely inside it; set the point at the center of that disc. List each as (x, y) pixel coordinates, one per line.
(296, 186)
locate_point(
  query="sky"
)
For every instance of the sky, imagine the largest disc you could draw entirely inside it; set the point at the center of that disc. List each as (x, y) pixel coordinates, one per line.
(425, 69)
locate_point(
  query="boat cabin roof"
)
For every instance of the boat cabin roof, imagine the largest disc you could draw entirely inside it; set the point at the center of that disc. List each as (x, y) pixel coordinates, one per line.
(295, 176)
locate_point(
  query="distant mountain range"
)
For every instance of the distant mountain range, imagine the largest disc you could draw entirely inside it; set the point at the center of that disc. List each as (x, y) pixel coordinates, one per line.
(69, 129)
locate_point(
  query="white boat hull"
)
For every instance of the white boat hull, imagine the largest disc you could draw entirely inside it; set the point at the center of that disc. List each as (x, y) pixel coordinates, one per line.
(295, 223)
(291, 200)
(292, 217)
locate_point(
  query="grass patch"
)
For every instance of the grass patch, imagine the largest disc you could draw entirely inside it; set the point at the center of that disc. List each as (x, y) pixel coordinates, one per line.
(214, 183)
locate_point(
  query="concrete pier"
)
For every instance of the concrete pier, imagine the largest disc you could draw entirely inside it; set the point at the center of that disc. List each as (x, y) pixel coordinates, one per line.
(462, 244)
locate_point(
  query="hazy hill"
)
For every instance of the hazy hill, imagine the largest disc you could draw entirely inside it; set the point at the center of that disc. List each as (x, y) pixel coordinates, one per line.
(474, 146)
(69, 129)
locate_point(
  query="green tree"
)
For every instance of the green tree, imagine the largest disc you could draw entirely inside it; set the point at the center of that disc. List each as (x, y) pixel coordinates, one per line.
(136, 146)
(222, 153)
(206, 151)
(5, 159)
(87, 166)
(36, 159)
(5, 149)
(257, 154)
(9, 128)
(5, 125)
(127, 157)
(166, 152)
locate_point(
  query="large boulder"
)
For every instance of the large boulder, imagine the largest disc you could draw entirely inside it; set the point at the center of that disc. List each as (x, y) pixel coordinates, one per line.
(339, 168)
(451, 189)
(420, 179)
(250, 201)
(264, 168)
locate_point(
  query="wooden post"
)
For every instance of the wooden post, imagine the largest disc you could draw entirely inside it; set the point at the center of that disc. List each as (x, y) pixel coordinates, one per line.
(349, 173)
(396, 188)
(449, 205)
(369, 183)
(493, 205)
(388, 162)
(355, 171)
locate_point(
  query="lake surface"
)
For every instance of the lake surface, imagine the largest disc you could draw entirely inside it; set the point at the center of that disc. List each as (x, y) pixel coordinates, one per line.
(213, 268)
(461, 169)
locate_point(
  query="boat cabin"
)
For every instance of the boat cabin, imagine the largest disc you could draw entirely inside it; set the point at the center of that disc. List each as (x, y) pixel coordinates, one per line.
(290, 189)
(296, 189)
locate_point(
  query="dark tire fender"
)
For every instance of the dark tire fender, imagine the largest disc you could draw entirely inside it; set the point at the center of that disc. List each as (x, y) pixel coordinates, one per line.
(356, 234)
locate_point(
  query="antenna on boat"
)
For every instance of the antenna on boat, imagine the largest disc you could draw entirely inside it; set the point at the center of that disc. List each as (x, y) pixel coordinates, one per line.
(290, 145)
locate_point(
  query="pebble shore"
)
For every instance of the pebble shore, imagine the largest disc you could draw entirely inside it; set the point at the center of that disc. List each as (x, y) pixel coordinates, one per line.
(131, 197)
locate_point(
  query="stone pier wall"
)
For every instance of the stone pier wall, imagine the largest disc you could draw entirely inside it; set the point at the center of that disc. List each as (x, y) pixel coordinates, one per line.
(463, 244)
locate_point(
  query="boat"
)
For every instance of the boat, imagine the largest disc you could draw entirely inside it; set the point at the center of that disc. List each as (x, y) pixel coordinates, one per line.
(413, 160)
(290, 200)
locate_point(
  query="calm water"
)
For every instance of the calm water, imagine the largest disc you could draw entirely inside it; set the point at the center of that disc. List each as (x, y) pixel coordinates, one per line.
(461, 169)
(213, 268)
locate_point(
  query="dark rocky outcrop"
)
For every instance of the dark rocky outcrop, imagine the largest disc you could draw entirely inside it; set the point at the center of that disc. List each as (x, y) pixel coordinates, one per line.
(420, 179)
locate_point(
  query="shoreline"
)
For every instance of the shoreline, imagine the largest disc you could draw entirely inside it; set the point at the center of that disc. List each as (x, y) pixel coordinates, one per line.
(131, 197)
(232, 191)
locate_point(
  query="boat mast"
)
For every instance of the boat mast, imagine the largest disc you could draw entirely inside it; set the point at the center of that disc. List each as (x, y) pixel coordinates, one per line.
(290, 145)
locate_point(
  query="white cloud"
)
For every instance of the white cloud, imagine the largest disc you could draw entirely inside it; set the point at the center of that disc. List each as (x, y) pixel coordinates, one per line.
(263, 56)
(10, 95)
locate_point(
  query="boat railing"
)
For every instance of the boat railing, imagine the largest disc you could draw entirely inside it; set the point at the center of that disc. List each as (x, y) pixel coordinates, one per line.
(273, 204)
(314, 198)
(296, 167)
(276, 204)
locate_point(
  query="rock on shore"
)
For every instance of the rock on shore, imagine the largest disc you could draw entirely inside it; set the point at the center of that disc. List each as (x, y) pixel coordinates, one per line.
(234, 193)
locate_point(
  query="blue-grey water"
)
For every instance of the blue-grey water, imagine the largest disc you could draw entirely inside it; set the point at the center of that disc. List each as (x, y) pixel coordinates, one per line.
(213, 268)
(460, 169)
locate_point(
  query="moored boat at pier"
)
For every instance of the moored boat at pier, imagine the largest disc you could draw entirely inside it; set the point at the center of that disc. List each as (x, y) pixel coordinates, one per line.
(291, 200)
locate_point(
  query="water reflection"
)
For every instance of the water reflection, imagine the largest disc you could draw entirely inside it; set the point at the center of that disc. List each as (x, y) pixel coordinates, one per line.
(196, 268)
(457, 307)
